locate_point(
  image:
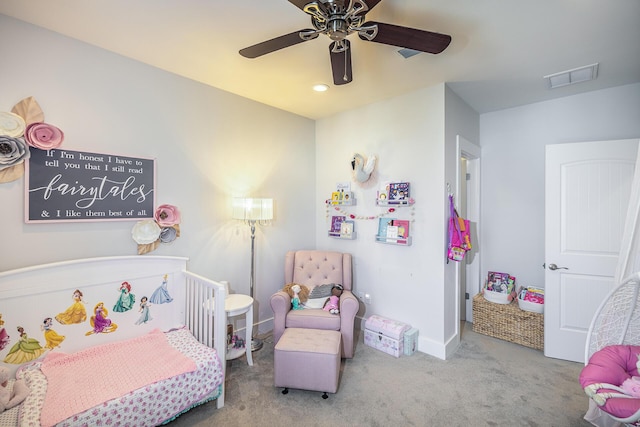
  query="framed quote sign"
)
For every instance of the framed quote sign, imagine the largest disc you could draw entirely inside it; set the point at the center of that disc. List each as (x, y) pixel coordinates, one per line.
(65, 185)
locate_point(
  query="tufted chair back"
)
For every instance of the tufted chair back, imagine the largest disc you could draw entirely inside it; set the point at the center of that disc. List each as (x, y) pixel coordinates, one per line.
(315, 268)
(312, 268)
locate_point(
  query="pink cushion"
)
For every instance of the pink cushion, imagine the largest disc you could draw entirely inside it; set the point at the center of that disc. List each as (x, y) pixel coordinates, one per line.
(613, 365)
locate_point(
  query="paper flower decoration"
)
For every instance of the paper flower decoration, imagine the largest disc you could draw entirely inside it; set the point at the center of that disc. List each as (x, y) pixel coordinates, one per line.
(25, 119)
(11, 124)
(13, 151)
(164, 228)
(145, 232)
(43, 136)
(167, 215)
(168, 234)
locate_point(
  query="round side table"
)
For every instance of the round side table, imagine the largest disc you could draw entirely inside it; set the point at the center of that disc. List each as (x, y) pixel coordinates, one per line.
(236, 305)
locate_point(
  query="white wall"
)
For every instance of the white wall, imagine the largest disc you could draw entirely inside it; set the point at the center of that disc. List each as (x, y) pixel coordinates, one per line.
(407, 135)
(512, 180)
(209, 146)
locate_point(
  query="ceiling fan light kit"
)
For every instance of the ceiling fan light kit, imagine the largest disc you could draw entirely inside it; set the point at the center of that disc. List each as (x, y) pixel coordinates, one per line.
(337, 19)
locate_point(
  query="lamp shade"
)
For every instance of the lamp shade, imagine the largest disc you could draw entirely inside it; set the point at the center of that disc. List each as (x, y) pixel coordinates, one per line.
(252, 209)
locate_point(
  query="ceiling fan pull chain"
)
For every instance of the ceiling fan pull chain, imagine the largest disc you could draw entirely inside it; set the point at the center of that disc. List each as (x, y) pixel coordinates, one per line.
(345, 77)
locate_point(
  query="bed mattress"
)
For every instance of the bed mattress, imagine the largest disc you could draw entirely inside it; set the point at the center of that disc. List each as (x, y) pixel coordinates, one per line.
(151, 405)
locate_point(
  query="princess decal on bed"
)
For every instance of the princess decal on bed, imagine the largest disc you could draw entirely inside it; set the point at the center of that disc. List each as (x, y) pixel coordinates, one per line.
(25, 350)
(126, 300)
(161, 295)
(51, 337)
(144, 309)
(4, 336)
(101, 324)
(76, 312)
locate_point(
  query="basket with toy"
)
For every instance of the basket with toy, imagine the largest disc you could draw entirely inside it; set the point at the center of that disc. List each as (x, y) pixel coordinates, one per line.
(531, 299)
(499, 288)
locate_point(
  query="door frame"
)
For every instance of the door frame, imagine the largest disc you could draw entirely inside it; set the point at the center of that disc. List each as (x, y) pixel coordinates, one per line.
(471, 153)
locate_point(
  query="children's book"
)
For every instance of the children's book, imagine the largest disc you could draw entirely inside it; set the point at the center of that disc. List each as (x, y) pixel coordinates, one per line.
(399, 191)
(383, 224)
(383, 193)
(500, 282)
(336, 222)
(343, 187)
(403, 230)
(335, 197)
(346, 229)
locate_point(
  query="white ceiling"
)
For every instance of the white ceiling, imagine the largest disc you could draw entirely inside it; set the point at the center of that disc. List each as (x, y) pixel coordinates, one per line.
(500, 51)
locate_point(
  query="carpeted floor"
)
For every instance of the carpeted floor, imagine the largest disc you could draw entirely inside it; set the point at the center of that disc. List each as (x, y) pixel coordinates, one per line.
(488, 382)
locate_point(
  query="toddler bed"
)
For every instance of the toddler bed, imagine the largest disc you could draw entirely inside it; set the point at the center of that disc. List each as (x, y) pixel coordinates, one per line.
(135, 346)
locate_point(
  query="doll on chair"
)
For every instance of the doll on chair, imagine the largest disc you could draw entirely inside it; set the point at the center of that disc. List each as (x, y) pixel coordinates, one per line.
(332, 304)
(298, 293)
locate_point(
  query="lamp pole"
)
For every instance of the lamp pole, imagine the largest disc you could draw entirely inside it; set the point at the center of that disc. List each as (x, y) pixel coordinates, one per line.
(256, 343)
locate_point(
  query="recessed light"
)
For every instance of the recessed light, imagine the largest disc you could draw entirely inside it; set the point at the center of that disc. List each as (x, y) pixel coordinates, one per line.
(321, 87)
(569, 77)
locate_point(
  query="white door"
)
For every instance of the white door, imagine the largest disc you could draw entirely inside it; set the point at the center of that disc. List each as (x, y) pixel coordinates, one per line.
(587, 188)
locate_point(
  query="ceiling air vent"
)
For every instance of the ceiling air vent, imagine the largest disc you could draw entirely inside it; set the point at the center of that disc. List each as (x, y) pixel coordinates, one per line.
(569, 77)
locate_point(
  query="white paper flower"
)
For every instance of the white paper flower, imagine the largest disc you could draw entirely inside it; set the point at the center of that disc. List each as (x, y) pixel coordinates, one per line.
(145, 232)
(11, 124)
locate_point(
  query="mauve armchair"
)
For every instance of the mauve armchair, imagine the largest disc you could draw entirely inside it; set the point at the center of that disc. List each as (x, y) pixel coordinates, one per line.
(314, 268)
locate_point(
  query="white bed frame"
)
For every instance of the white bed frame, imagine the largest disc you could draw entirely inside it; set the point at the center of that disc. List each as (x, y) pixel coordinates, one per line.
(28, 295)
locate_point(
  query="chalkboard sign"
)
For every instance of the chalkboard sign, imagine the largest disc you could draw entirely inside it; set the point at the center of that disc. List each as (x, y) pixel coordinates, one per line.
(65, 185)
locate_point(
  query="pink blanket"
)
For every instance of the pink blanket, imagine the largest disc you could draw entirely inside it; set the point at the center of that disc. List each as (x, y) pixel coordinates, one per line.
(82, 380)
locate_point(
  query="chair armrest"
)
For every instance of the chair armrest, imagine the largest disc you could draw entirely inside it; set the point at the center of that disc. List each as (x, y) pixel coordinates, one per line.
(281, 305)
(349, 306)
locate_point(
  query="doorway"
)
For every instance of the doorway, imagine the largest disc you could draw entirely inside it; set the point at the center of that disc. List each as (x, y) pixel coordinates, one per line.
(468, 205)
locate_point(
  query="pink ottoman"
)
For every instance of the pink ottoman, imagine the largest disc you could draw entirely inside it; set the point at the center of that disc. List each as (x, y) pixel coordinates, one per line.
(308, 359)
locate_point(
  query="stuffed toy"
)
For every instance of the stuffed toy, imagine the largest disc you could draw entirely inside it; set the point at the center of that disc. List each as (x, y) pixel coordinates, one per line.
(299, 295)
(332, 305)
(9, 399)
(631, 386)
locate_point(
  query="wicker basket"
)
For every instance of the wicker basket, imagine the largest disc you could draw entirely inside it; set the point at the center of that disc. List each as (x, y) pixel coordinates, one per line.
(508, 322)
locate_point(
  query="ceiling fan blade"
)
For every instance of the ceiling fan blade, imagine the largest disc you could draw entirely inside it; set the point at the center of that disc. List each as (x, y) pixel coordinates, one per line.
(275, 44)
(300, 4)
(341, 64)
(372, 4)
(411, 38)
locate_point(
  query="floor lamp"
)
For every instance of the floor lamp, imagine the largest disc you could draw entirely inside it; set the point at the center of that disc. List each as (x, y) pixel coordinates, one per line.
(252, 212)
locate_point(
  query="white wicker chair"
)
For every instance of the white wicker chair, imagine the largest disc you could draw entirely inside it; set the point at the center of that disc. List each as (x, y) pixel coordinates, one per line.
(616, 322)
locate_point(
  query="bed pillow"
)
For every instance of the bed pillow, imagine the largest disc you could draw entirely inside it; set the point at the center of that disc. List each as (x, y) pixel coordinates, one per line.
(32, 406)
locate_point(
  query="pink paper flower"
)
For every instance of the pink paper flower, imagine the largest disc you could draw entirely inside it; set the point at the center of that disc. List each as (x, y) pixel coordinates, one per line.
(167, 215)
(43, 136)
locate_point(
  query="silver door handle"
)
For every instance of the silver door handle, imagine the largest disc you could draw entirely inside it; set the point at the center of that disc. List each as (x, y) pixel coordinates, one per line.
(555, 267)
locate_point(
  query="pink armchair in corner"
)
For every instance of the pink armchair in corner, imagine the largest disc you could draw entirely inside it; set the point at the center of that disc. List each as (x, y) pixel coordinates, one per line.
(314, 268)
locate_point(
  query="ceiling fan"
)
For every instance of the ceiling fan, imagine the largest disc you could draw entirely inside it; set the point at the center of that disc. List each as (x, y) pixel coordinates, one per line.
(340, 18)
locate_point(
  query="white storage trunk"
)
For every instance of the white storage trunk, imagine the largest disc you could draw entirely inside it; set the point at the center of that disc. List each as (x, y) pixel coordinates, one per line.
(385, 334)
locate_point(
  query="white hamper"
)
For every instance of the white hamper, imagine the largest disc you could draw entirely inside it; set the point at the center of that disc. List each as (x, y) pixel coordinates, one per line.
(385, 334)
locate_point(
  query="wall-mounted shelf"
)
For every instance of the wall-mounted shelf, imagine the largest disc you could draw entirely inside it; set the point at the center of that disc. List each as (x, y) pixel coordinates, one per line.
(348, 202)
(399, 241)
(394, 203)
(351, 236)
